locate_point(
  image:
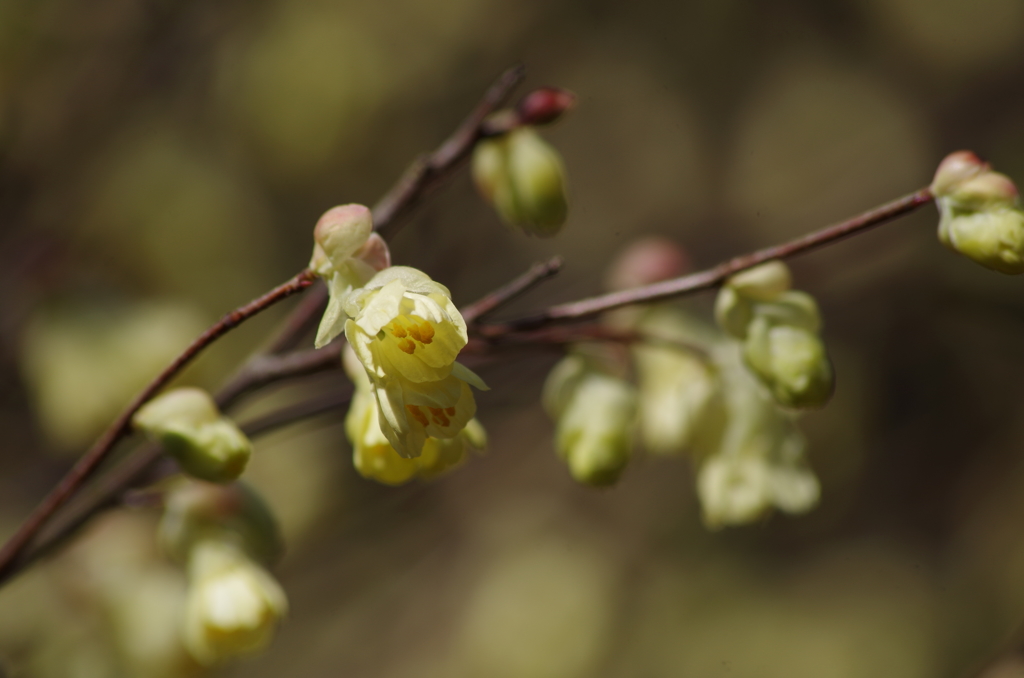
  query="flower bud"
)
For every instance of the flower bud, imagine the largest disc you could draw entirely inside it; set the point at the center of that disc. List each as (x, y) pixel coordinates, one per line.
(544, 105)
(188, 425)
(232, 606)
(733, 312)
(763, 282)
(340, 232)
(954, 169)
(523, 177)
(196, 511)
(791, 361)
(993, 238)
(678, 393)
(595, 415)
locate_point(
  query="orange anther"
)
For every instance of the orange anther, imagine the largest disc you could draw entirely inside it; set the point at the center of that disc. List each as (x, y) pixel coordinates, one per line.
(407, 346)
(439, 417)
(417, 414)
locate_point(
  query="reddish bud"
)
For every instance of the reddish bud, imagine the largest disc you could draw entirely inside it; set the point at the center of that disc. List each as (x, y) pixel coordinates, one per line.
(544, 105)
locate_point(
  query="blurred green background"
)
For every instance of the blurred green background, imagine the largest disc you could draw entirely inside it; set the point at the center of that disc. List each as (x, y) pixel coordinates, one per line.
(162, 162)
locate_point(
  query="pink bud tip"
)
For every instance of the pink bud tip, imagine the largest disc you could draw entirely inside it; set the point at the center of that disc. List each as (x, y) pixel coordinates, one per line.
(544, 105)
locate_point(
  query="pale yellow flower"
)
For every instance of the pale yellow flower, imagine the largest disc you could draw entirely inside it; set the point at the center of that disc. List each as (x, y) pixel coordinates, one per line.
(232, 606)
(406, 333)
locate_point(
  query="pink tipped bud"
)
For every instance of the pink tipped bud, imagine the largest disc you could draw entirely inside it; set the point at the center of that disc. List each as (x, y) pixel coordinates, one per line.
(647, 261)
(375, 252)
(955, 169)
(341, 231)
(544, 105)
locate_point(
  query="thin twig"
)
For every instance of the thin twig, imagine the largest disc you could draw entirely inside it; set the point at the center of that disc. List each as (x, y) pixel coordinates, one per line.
(429, 172)
(121, 426)
(711, 277)
(330, 402)
(536, 274)
(268, 369)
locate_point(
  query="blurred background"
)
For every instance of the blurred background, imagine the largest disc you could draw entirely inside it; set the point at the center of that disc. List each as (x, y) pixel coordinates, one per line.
(162, 162)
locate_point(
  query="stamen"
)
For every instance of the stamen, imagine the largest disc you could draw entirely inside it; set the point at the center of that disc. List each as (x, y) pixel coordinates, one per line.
(439, 417)
(398, 331)
(407, 346)
(417, 414)
(450, 411)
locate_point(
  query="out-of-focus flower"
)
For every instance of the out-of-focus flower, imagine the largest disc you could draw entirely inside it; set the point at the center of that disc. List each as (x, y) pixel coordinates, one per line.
(524, 178)
(679, 391)
(187, 423)
(233, 605)
(195, 511)
(346, 254)
(780, 329)
(595, 414)
(406, 332)
(979, 213)
(758, 462)
(375, 458)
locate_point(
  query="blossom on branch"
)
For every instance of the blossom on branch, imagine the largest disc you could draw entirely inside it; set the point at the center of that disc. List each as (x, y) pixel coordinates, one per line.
(373, 455)
(406, 333)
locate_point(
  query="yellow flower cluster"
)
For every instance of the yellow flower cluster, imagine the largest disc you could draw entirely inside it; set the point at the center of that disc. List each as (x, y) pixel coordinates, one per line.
(373, 455)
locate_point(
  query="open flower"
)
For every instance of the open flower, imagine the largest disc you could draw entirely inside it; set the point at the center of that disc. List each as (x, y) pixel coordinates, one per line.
(372, 453)
(406, 332)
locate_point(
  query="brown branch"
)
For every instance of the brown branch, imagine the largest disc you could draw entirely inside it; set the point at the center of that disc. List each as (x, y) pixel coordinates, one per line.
(715, 276)
(429, 172)
(262, 370)
(110, 490)
(121, 426)
(536, 274)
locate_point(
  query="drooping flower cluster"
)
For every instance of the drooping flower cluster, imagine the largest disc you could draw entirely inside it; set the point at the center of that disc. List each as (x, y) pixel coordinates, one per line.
(728, 404)
(405, 332)
(225, 536)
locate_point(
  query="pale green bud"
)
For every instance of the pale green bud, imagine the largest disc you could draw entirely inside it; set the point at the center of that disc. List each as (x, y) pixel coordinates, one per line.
(988, 190)
(733, 312)
(595, 418)
(793, 307)
(678, 392)
(233, 605)
(339, 234)
(524, 178)
(188, 425)
(763, 282)
(993, 238)
(196, 511)
(791, 361)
